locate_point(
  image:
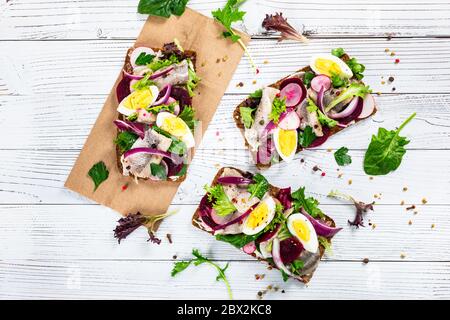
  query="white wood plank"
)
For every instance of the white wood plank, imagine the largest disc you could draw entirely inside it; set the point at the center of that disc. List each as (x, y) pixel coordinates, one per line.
(62, 122)
(74, 279)
(37, 176)
(85, 232)
(39, 19)
(91, 67)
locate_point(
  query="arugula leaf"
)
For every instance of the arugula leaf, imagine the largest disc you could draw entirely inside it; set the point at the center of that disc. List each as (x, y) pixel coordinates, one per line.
(259, 187)
(279, 218)
(187, 115)
(144, 59)
(221, 204)
(98, 173)
(309, 204)
(158, 170)
(257, 94)
(306, 137)
(278, 107)
(198, 260)
(323, 119)
(341, 156)
(338, 52)
(238, 240)
(228, 15)
(353, 90)
(125, 140)
(162, 107)
(307, 78)
(357, 68)
(386, 150)
(247, 116)
(193, 80)
(162, 8)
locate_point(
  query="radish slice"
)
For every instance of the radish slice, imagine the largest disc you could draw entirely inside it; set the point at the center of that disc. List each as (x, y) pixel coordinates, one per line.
(136, 52)
(292, 92)
(368, 106)
(320, 83)
(249, 248)
(290, 122)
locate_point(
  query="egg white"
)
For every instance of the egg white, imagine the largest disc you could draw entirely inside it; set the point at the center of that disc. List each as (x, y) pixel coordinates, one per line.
(276, 136)
(187, 137)
(270, 202)
(128, 112)
(345, 70)
(313, 243)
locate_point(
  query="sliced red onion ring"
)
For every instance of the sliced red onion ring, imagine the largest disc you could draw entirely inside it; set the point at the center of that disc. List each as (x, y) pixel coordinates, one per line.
(132, 76)
(165, 97)
(234, 180)
(135, 127)
(322, 229)
(277, 259)
(172, 156)
(348, 110)
(292, 92)
(160, 73)
(355, 114)
(250, 247)
(368, 106)
(269, 235)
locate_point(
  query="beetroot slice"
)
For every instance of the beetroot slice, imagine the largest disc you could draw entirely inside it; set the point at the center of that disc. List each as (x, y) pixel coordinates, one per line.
(321, 140)
(290, 250)
(123, 89)
(284, 196)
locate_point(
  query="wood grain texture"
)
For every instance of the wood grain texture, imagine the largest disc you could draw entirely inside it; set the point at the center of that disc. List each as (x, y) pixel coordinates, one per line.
(43, 279)
(106, 19)
(90, 67)
(59, 232)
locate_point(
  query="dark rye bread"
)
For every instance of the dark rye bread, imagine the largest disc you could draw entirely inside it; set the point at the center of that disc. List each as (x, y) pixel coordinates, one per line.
(188, 54)
(273, 191)
(247, 102)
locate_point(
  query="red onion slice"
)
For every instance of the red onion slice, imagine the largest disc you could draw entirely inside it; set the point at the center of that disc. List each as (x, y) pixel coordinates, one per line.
(160, 73)
(172, 156)
(322, 229)
(269, 235)
(132, 76)
(137, 128)
(234, 180)
(165, 97)
(348, 110)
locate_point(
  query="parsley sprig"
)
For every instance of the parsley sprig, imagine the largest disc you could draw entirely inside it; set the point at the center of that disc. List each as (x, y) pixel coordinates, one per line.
(229, 14)
(198, 260)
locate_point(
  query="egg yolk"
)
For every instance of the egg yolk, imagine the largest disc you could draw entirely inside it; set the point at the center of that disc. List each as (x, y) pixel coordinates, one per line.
(139, 99)
(258, 215)
(301, 230)
(287, 140)
(327, 67)
(175, 126)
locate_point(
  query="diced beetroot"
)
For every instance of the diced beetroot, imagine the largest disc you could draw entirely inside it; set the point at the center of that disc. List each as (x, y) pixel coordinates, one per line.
(290, 250)
(284, 196)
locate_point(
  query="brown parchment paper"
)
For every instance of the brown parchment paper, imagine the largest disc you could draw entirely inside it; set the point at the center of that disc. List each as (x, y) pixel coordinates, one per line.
(195, 32)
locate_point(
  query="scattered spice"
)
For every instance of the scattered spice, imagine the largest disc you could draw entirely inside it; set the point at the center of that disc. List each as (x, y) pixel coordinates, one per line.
(316, 168)
(240, 85)
(254, 82)
(432, 226)
(217, 60)
(391, 79)
(174, 257)
(370, 178)
(393, 88)
(374, 226)
(392, 53)
(405, 189)
(257, 71)
(203, 64)
(219, 74)
(424, 201)
(302, 160)
(397, 61)
(323, 174)
(124, 187)
(411, 207)
(365, 260)
(403, 255)
(266, 61)
(225, 58)
(383, 82)
(410, 222)
(402, 202)
(350, 181)
(340, 175)
(386, 50)
(416, 212)
(169, 237)
(260, 276)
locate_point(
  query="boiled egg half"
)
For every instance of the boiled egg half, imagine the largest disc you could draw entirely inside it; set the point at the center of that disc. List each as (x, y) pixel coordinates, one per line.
(285, 143)
(260, 217)
(176, 127)
(300, 227)
(330, 65)
(138, 99)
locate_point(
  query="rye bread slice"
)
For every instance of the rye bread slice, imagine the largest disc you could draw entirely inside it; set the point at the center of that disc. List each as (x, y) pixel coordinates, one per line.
(248, 101)
(273, 191)
(128, 68)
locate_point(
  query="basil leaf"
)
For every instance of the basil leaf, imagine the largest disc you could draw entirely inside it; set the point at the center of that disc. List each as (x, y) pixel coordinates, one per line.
(341, 156)
(386, 150)
(98, 173)
(162, 8)
(306, 137)
(158, 170)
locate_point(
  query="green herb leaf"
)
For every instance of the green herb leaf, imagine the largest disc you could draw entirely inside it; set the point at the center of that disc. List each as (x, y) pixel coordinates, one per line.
(306, 137)
(157, 64)
(98, 173)
(307, 78)
(162, 8)
(326, 244)
(125, 140)
(162, 107)
(341, 156)
(193, 79)
(279, 218)
(238, 240)
(259, 187)
(386, 150)
(309, 204)
(187, 115)
(337, 81)
(247, 116)
(278, 107)
(143, 83)
(323, 119)
(144, 59)
(284, 275)
(357, 68)
(297, 266)
(257, 94)
(182, 171)
(221, 204)
(198, 260)
(338, 52)
(158, 170)
(353, 90)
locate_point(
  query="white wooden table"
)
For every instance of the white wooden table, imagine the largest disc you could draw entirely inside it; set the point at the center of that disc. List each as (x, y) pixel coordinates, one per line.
(58, 61)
